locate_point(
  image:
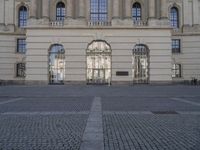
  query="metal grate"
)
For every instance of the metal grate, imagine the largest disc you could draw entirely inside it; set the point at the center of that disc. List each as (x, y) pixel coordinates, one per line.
(165, 112)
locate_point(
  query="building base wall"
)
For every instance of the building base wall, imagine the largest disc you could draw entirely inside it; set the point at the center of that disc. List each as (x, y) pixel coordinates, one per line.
(113, 83)
(38, 82)
(12, 82)
(75, 42)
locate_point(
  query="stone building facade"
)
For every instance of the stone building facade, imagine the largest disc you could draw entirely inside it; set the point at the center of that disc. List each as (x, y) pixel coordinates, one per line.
(99, 41)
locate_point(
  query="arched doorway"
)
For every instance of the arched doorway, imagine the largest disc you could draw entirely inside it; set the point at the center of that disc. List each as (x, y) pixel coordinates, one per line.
(140, 64)
(56, 64)
(98, 62)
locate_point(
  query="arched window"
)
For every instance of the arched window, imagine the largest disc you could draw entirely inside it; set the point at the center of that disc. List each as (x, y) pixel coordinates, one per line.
(174, 17)
(23, 15)
(136, 12)
(60, 11)
(98, 10)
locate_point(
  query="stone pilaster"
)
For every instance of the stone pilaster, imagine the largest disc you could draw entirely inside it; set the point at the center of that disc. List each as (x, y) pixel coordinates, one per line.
(81, 12)
(115, 9)
(128, 7)
(152, 9)
(33, 9)
(164, 9)
(195, 12)
(152, 13)
(164, 22)
(127, 21)
(190, 13)
(9, 12)
(2, 12)
(45, 9)
(69, 9)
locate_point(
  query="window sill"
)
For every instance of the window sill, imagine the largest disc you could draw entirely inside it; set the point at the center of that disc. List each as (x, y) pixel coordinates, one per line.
(21, 53)
(177, 78)
(177, 53)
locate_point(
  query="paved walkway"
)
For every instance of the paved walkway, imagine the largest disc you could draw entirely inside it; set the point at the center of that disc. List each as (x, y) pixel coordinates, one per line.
(100, 118)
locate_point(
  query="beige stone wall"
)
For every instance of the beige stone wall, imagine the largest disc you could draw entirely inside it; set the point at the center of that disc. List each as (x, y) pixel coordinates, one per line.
(75, 42)
(9, 57)
(189, 57)
(189, 9)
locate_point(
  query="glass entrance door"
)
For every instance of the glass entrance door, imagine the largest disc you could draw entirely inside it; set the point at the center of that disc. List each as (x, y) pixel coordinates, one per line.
(56, 65)
(98, 76)
(140, 64)
(98, 63)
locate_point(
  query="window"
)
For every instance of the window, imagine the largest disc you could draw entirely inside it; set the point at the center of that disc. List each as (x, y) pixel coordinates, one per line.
(23, 15)
(136, 12)
(174, 17)
(176, 46)
(20, 70)
(98, 10)
(176, 71)
(60, 11)
(21, 45)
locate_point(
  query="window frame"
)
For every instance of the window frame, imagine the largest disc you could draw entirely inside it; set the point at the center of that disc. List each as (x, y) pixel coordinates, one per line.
(20, 72)
(176, 70)
(22, 18)
(61, 13)
(99, 15)
(174, 18)
(21, 47)
(136, 17)
(176, 46)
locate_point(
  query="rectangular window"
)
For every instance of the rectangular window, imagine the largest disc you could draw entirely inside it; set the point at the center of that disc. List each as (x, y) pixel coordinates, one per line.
(21, 45)
(20, 70)
(98, 10)
(176, 71)
(176, 46)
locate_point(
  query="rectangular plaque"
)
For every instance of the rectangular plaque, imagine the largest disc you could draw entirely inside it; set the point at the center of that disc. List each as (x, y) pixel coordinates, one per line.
(121, 73)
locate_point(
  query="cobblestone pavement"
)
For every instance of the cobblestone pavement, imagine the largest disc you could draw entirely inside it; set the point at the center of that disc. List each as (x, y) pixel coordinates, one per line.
(50, 132)
(48, 104)
(151, 132)
(121, 117)
(145, 104)
(5, 98)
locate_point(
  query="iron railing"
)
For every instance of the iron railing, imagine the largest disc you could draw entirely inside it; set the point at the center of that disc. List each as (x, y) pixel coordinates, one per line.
(99, 23)
(57, 23)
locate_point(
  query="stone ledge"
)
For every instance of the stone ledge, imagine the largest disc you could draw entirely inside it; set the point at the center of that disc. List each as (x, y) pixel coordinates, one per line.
(113, 83)
(191, 28)
(11, 82)
(36, 82)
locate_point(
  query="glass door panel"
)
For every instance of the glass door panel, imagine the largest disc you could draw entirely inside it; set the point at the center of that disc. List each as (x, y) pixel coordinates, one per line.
(98, 63)
(140, 64)
(56, 66)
